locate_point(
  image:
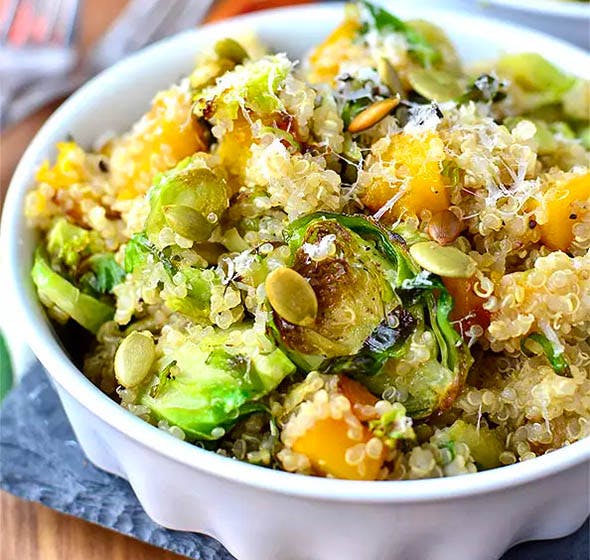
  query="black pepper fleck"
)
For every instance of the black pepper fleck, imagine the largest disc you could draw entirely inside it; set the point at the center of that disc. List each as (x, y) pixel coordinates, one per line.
(573, 216)
(103, 166)
(532, 224)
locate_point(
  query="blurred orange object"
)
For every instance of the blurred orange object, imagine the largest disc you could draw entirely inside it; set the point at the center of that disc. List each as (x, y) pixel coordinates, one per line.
(229, 8)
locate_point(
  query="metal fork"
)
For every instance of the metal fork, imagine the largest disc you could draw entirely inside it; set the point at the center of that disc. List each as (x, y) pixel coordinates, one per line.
(144, 22)
(39, 22)
(36, 43)
(141, 23)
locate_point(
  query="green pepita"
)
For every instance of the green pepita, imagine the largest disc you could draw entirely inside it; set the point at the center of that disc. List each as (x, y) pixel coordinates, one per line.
(448, 262)
(373, 114)
(436, 85)
(291, 296)
(186, 221)
(389, 76)
(231, 50)
(134, 358)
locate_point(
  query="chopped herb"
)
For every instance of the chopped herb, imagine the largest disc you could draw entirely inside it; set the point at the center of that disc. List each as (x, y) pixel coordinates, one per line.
(536, 343)
(485, 88)
(103, 275)
(418, 46)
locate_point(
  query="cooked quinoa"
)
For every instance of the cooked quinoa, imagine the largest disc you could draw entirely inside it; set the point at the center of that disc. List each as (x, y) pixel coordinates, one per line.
(372, 264)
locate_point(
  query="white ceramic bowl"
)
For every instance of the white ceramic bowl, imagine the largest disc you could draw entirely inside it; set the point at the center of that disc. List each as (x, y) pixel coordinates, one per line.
(257, 513)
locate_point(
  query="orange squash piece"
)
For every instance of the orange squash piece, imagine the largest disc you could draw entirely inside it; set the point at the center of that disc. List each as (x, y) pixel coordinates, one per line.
(326, 58)
(165, 135)
(68, 168)
(412, 162)
(326, 442)
(559, 204)
(359, 396)
(468, 306)
(325, 445)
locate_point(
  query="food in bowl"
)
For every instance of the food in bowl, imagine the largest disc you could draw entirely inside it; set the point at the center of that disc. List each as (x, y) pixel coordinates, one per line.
(373, 265)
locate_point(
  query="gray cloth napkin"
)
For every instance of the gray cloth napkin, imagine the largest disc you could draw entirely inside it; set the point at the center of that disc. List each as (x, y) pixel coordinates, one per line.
(40, 460)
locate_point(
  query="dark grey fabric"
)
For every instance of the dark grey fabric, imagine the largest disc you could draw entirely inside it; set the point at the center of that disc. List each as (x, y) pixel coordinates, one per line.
(40, 460)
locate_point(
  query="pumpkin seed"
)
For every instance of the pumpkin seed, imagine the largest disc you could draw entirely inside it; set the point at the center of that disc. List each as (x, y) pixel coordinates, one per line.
(448, 262)
(231, 50)
(436, 85)
(291, 296)
(444, 227)
(186, 221)
(134, 358)
(373, 114)
(389, 76)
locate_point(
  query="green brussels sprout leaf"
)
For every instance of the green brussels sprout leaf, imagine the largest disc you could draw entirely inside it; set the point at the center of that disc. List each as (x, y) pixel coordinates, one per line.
(212, 383)
(56, 291)
(67, 243)
(140, 251)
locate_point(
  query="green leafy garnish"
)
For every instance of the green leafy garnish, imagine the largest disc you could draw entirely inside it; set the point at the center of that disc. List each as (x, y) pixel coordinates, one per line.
(485, 88)
(103, 275)
(418, 46)
(5, 368)
(535, 342)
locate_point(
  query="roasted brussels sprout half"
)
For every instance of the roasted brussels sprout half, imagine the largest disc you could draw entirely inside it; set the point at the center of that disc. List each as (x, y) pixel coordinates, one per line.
(74, 275)
(205, 386)
(64, 299)
(374, 303)
(351, 287)
(190, 199)
(67, 243)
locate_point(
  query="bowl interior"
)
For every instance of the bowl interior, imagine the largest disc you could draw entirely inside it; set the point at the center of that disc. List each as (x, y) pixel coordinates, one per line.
(113, 101)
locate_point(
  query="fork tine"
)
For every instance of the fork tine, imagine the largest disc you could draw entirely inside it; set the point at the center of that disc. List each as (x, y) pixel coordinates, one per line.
(7, 21)
(156, 21)
(21, 23)
(71, 27)
(47, 17)
(180, 15)
(171, 21)
(193, 13)
(134, 13)
(188, 16)
(65, 28)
